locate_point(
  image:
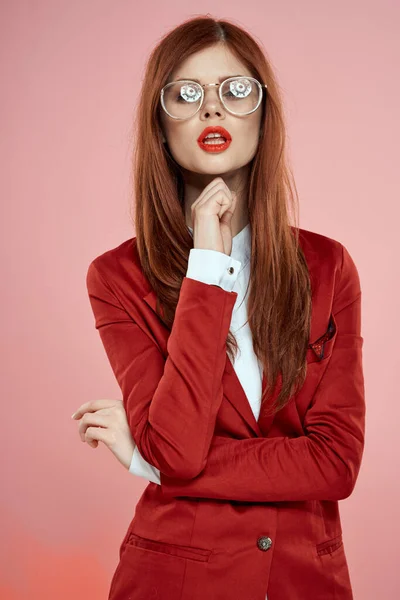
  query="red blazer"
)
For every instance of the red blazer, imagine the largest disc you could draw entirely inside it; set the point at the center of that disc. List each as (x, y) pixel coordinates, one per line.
(245, 507)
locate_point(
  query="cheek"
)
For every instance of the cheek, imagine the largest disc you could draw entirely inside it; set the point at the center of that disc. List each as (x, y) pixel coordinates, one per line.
(254, 125)
(248, 130)
(254, 129)
(246, 142)
(181, 147)
(179, 138)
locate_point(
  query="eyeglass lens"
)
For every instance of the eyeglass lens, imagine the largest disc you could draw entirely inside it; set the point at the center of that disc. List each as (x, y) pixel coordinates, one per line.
(182, 98)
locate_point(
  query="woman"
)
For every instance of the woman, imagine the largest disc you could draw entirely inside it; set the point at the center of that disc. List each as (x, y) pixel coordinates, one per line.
(236, 341)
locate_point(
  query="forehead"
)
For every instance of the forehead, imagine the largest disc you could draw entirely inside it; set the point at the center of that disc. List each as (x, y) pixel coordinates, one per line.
(210, 65)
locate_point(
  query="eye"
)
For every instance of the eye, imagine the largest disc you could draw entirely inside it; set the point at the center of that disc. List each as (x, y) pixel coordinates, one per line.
(189, 93)
(238, 88)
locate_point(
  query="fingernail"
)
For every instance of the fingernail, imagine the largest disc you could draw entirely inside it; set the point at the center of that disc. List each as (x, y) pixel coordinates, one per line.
(72, 416)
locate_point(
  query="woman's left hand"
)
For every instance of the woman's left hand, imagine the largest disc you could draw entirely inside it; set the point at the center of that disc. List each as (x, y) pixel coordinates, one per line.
(105, 421)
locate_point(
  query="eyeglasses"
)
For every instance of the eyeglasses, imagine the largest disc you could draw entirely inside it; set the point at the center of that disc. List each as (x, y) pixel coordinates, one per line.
(239, 96)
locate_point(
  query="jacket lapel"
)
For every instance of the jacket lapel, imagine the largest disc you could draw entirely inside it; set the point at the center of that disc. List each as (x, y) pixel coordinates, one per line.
(236, 395)
(151, 299)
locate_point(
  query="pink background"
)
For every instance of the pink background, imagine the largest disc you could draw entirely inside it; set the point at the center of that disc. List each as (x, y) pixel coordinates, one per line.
(70, 75)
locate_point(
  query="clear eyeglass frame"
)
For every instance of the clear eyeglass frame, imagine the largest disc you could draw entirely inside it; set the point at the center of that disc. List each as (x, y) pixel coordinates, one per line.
(219, 85)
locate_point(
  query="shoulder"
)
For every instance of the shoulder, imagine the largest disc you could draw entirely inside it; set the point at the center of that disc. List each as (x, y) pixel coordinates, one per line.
(317, 244)
(117, 268)
(115, 257)
(329, 259)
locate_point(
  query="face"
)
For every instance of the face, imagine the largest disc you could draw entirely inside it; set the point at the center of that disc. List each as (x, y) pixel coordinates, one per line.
(209, 66)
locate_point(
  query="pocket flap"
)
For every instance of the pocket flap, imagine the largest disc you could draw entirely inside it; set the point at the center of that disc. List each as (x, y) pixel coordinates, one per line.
(322, 347)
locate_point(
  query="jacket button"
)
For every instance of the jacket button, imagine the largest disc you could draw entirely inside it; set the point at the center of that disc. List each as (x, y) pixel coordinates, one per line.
(264, 543)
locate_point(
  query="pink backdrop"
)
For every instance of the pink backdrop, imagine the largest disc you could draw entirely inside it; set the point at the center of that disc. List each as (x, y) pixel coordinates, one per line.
(70, 75)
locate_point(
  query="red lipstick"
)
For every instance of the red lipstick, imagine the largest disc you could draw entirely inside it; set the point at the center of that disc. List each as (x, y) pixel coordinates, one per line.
(222, 139)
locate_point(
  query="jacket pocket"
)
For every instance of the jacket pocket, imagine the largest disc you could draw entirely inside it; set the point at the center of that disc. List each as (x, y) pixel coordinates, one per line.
(321, 348)
(191, 552)
(330, 546)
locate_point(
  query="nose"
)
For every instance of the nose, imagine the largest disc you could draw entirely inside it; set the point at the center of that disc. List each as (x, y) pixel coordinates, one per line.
(212, 102)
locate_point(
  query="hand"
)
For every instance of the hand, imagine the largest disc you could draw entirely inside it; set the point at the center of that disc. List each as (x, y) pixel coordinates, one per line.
(105, 421)
(212, 215)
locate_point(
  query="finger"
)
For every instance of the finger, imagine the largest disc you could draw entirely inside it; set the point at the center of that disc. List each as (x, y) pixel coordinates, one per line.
(97, 434)
(220, 197)
(93, 405)
(208, 192)
(217, 183)
(227, 215)
(223, 198)
(213, 183)
(92, 419)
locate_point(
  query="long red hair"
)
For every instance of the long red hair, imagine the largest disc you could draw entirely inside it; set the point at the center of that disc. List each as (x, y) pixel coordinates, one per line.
(279, 304)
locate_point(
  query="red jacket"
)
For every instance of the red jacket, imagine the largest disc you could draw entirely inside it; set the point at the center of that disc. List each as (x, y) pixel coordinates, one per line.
(245, 507)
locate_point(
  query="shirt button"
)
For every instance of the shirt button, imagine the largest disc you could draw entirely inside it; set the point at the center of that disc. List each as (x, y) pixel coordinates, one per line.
(264, 543)
(231, 270)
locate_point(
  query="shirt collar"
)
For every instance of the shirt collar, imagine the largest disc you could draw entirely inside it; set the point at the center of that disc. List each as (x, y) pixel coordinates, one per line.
(241, 244)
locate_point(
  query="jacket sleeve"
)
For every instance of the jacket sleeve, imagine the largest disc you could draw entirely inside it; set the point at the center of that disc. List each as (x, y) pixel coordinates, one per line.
(171, 404)
(211, 267)
(321, 465)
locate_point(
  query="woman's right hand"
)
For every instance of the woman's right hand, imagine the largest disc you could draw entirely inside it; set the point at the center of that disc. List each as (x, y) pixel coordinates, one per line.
(211, 217)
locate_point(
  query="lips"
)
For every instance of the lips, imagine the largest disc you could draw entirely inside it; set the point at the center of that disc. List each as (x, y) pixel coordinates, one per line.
(221, 130)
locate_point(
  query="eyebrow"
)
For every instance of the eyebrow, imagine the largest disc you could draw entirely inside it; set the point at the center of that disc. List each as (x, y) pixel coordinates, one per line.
(197, 81)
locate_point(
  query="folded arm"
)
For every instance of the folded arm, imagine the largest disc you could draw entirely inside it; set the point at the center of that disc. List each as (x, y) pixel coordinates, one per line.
(210, 267)
(172, 403)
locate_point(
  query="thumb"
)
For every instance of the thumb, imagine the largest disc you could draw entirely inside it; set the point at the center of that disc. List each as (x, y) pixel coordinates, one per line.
(228, 214)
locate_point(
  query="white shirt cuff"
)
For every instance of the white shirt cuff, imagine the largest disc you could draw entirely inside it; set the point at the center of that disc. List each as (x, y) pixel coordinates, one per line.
(139, 466)
(213, 267)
